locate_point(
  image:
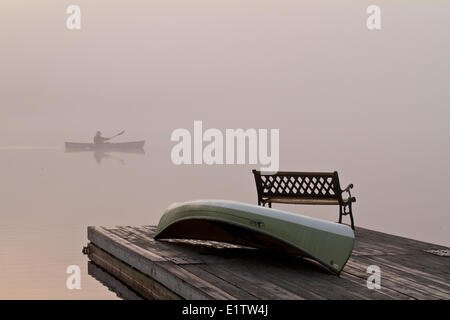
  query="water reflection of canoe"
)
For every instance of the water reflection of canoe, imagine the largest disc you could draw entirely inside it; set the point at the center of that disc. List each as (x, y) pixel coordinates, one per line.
(117, 146)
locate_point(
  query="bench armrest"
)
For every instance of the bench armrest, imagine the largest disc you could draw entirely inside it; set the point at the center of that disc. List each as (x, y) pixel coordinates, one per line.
(349, 198)
(350, 186)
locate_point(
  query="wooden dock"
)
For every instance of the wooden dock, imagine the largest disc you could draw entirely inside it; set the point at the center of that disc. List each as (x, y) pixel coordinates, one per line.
(130, 258)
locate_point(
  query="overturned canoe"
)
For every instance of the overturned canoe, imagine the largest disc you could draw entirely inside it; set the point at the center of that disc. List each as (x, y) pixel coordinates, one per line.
(328, 243)
(117, 146)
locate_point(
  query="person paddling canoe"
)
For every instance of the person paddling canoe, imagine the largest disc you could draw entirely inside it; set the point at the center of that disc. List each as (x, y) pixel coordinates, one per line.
(99, 139)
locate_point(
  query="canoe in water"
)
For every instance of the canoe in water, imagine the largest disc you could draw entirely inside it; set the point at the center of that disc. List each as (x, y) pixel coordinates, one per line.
(117, 146)
(328, 243)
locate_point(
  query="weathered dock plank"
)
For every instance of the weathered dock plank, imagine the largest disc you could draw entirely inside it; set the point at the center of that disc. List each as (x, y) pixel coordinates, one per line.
(193, 269)
(170, 275)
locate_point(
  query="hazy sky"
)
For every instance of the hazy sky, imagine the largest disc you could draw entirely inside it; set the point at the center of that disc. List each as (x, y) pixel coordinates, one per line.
(151, 66)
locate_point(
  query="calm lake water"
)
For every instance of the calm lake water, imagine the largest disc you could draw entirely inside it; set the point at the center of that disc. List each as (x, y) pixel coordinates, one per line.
(50, 197)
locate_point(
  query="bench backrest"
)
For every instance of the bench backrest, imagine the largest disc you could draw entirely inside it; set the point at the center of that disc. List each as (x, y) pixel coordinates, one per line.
(299, 185)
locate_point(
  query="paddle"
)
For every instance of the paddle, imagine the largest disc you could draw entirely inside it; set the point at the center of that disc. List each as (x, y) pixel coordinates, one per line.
(120, 133)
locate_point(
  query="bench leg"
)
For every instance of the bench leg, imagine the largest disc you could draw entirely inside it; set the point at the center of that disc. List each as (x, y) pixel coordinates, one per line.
(270, 204)
(351, 215)
(342, 212)
(351, 219)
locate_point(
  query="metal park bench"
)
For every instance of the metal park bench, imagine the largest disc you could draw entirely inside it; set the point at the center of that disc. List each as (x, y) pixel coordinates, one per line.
(316, 188)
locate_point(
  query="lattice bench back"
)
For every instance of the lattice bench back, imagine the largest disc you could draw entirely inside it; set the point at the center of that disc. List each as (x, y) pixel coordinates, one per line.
(314, 185)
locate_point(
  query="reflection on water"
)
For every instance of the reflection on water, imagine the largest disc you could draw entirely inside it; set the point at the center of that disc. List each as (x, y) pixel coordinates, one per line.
(100, 155)
(110, 282)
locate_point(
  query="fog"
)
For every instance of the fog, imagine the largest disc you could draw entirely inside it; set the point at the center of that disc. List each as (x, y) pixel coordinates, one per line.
(373, 105)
